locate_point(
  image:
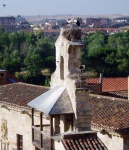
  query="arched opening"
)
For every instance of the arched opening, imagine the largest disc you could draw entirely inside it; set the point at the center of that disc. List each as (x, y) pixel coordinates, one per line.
(62, 68)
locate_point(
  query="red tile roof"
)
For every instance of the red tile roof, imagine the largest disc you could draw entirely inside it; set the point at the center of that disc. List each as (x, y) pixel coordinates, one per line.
(99, 29)
(111, 84)
(20, 93)
(83, 142)
(110, 113)
(9, 78)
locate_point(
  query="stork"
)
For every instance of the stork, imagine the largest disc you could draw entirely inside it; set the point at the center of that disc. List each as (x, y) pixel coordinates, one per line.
(73, 21)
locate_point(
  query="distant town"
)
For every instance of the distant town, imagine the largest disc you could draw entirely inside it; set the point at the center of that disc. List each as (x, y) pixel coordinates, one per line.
(51, 25)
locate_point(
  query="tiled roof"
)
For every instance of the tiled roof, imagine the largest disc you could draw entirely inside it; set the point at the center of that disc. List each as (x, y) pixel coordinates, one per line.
(110, 113)
(9, 78)
(83, 142)
(20, 93)
(111, 84)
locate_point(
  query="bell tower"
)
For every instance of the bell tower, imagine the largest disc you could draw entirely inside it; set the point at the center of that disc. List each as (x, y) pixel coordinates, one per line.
(68, 48)
(67, 74)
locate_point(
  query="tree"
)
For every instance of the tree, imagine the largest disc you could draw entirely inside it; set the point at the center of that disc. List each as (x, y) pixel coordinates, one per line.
(33, 61)
(31, 38)
(95, 41)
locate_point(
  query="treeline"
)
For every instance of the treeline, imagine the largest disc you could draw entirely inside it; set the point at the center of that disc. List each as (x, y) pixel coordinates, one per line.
(107, 54)
(26, 54)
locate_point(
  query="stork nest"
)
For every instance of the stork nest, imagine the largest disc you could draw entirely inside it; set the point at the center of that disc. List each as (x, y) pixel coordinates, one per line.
(73, 35)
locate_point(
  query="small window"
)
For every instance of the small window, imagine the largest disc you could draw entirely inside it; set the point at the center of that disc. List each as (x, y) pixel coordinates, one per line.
(62, 68)
(19, 142)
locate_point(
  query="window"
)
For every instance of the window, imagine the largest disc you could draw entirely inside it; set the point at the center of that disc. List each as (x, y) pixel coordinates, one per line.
(19, 142)
(62, 68)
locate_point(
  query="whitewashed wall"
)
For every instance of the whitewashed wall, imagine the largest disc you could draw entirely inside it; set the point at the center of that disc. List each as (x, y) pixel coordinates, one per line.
(17, 123)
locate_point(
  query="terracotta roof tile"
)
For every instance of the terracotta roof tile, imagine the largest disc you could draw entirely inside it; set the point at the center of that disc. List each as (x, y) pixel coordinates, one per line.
(20, 93)
(83, 142)
(109, 113)
(111, 84)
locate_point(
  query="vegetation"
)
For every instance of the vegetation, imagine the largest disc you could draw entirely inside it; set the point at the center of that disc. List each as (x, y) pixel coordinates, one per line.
(26, 55)
(107, 54)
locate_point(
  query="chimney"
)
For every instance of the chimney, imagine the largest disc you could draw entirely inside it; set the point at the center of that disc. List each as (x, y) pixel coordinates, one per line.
(101, 82)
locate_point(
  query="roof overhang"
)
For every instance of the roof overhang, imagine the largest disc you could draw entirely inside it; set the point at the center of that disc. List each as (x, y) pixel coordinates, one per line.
(54, 101)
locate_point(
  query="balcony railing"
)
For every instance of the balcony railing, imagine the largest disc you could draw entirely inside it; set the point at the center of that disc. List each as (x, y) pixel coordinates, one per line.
(41, 139)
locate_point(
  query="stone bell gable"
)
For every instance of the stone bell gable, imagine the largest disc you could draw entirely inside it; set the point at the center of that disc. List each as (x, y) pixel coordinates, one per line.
(68, 74)
(68, 47)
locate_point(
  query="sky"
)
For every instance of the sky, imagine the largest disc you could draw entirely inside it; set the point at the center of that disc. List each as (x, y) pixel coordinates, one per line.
(56, 7)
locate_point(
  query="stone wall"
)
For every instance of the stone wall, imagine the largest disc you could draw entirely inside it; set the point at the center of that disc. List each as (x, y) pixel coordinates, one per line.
(83, 110)
(59, 145)
(112, 142)
(16, 120)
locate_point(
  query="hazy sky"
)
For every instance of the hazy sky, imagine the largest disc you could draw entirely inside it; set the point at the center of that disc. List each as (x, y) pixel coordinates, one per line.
(53, 7)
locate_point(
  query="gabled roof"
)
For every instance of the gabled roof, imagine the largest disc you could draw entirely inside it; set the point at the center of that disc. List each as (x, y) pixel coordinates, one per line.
(110, 113)
(54, 101)
(111, 84)
(87, 141)
(9, 78)
(20, 93)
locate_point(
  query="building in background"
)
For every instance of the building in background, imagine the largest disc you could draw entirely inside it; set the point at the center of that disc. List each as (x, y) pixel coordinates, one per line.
(7, 78)
(8, 23)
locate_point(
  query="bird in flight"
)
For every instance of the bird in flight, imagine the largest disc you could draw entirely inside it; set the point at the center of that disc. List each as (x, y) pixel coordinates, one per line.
(4, 5)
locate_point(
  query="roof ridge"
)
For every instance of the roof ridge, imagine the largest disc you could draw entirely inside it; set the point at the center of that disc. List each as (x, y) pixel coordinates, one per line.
(32, 85)
(109, 97)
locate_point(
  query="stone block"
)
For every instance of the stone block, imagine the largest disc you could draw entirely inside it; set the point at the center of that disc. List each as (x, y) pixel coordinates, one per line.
(83, 113)
(83, 124)
(83, 118)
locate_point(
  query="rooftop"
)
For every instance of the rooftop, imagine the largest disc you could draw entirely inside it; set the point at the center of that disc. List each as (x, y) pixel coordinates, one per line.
(83, 141)
(54, 101)
(111, 84)
(20, 93)
(110, 113)
(9, 78)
